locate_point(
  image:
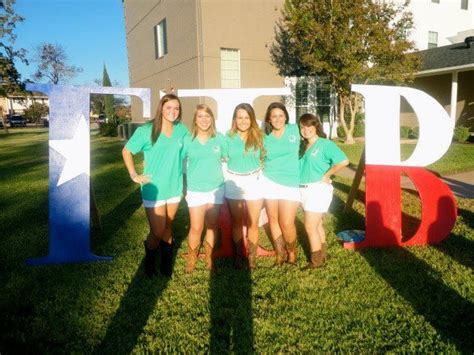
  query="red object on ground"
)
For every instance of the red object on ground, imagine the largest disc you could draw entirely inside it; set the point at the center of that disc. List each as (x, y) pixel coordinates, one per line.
(383, 207)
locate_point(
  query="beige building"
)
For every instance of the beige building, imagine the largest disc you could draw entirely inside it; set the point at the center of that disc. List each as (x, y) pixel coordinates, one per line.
(17, 103)
(197, 44)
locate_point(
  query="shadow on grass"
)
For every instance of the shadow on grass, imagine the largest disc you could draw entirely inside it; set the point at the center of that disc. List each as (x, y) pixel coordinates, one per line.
(138, 302)
(230, 303)
(419, 284)
(458, 248)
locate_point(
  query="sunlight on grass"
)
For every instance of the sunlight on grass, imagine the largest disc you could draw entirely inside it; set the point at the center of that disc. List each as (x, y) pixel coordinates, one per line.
(394, 300)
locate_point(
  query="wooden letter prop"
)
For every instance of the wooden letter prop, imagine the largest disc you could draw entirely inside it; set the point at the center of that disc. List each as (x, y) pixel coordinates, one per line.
(384, 167)
(69, 170)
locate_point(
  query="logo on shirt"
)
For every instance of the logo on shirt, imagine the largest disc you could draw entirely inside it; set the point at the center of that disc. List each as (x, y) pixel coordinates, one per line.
(316, 151)
(216, 149)
(292, 138)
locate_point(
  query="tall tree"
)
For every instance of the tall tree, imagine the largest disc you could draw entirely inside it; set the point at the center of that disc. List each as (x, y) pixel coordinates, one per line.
(52, 64)
(10, 78)
(345, 41)
(108, 99)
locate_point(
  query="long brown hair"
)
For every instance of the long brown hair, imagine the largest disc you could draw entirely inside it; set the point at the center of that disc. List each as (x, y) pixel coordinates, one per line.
(158, 119)
(255, 136)
(308, 119)
(273, 105)
(208, 110)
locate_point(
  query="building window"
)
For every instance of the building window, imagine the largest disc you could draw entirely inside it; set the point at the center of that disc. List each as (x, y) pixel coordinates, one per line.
(301, 99)
(432, 39)
(230, 68)
(435, 1)
(161, 42)
(464, 4)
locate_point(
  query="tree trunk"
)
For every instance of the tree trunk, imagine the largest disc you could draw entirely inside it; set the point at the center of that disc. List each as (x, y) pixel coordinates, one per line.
(347, 130)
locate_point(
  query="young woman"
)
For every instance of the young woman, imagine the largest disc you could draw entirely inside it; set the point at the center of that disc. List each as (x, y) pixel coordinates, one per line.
(320, 158)
(281, 180)
(161, 183)
(242, 185)
(205, 183)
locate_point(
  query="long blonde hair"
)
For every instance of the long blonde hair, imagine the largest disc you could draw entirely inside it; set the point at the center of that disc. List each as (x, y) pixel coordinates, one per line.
(255, 135)
(208, 110)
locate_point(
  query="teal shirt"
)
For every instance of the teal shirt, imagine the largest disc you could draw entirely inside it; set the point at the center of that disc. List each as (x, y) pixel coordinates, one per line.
(163, 163)
(281, 158)
(318, 159)
(204, 166)
(240, 160)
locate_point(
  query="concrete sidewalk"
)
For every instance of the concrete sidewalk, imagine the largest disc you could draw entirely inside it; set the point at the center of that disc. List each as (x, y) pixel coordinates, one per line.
(462, 184)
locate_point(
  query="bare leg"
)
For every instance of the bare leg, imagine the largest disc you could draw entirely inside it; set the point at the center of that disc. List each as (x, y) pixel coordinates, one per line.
(236, 211)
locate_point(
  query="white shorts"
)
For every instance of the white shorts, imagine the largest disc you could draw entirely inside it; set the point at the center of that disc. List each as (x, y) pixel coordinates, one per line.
(158, 203)
(243, 187)
(275, 191)
(316, 197)
(214, 197)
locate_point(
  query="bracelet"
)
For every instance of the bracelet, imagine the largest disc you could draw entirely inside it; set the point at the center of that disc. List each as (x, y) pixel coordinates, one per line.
(133, 176)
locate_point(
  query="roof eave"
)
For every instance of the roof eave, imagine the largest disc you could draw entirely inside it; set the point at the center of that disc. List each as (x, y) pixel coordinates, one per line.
(448, 70)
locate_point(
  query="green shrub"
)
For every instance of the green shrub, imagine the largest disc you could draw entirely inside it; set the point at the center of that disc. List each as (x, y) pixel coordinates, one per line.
(461, 134)
(108, 129)
(414, 132)
(404, 131)
(359, 129)
(340, 132)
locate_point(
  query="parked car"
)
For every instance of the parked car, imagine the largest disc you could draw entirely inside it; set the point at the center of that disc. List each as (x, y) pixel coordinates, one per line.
(17, 121)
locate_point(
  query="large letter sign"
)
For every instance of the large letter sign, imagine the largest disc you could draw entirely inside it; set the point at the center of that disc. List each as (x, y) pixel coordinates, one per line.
(384, 167)
(69, 170)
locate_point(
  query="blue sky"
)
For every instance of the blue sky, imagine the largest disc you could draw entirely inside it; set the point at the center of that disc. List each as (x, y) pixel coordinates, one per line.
(91, 31)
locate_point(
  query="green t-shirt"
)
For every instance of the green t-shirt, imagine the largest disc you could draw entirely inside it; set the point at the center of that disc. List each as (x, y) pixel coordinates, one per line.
(281, 158)
(318, 159)
(204, 167)
(240, 160)
(163, 161)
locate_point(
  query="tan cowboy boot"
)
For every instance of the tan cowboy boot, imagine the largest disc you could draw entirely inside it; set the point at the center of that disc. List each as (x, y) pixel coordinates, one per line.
(292, 252)
(191, 258)
(209, 256)
(280, 250)
(316, 260)
(252, 255)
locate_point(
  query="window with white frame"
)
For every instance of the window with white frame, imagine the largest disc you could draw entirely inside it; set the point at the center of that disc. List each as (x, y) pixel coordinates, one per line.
(161, 42)
(301, 98)
(432, 39)
(230, 68)
(464, 4)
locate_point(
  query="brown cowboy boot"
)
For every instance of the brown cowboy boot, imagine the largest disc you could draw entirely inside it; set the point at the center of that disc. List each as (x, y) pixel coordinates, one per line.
(323, 250)
(280, 251)
(252, 255)
(209, 256)
(292, 252)
(316, 260)
(191, 258)
(239, 254)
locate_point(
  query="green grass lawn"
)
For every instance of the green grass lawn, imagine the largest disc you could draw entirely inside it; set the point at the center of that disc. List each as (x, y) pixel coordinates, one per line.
(459, 157)
(417, 299)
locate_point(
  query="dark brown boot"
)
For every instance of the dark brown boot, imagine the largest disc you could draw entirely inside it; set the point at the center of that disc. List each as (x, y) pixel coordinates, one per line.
(209, 256)
(316, 260)
(324, 249)
(239, 254)
(280, 250)
(166, 258)
(292, 252)
(252, 255)
(150, 260)
(191, 258)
